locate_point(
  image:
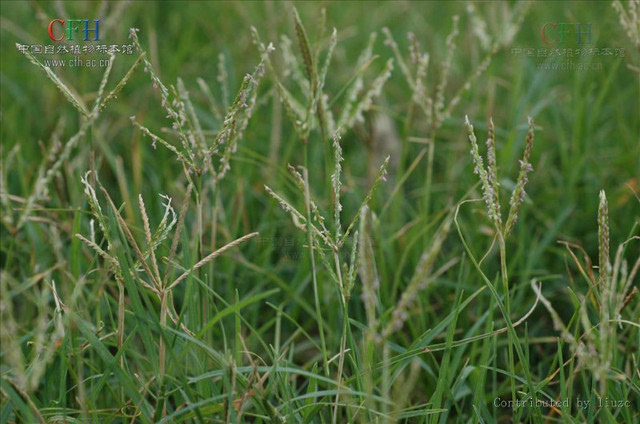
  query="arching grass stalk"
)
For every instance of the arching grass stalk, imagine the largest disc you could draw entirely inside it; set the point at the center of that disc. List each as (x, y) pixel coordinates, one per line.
(510, 327)
(321, 240)
(490, 192)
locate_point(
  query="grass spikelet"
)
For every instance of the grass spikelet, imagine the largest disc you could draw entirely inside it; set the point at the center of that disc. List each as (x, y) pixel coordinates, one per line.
(336, 184)
(493, 209)
(212, 256)
(110, 259)
(45, 178)
(478, 26)
(629, 20)
(305, 48)
(364, 104)
(168, 103)
(294, 111)
(7, 214)
(489, 177)
(517, 197)
(439, 102)
(603, 240)
(147, 232)
(292, 68)
(70, 95)
(298, 219)
(114, 93)
(92, 199)
(492, 170)
(285, 205)
(214, 107)
(469, 82)
(320, 100)
(421, 277)
(186, 124)
(132, 241)
(357, 85)
(310, 68)
(157, 82)
(515, 17)
(164, 292)
(196, 135)
(352, 268)
(223, 80)
(420, 89)
(391, 42)
(41, 183)
(418, 84)
(161, 233)
(177, 232)
(327, 61)
(367, 269)
(157, 139)
(238, 115)
(105, 79)
(381, 176)
(415, 51)
(313, 207)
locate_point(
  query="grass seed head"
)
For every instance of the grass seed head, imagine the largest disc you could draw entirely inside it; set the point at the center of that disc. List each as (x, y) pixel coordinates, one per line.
(488, 190)
(603, 238)
(517, 196)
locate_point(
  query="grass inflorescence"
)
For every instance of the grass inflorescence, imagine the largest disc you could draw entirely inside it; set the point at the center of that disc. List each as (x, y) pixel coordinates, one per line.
(280, 221)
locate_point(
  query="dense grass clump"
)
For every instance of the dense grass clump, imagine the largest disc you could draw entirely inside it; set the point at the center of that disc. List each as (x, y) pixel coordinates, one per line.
(277, 213)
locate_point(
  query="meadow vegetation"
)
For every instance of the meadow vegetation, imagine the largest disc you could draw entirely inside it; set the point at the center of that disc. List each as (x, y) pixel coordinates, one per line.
(290, 213)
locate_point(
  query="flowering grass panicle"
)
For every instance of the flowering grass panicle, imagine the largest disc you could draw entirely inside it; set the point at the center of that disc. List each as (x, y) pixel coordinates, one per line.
(603, 239)
(489, 177)
(629, 19)
(492, 170)
(488, 188)
(194, 151)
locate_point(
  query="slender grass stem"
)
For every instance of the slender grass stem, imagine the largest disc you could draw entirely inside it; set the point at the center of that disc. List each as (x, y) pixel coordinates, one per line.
(162, 347)
(429, 176)
(163, 323)
(312, 258)
(343, 338)
(511, 329)
(507, 305)
(121, 311)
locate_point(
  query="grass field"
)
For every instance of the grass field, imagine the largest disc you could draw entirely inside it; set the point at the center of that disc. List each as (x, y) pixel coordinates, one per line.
(320, 212)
